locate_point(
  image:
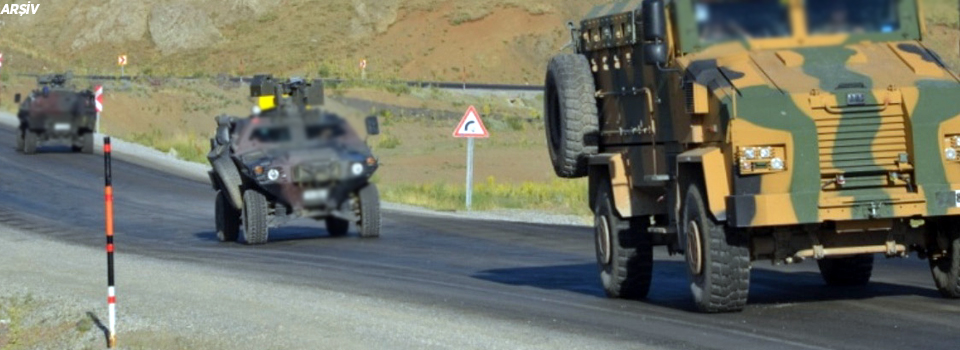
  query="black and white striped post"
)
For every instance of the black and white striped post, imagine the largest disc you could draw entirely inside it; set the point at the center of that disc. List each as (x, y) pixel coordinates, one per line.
(108, 199)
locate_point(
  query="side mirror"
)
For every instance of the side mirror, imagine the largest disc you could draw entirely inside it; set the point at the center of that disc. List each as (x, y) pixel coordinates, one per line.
(16, 98)
(373, 126)
(655, 54)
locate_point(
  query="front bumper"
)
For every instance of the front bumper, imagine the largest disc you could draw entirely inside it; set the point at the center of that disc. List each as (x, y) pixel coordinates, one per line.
(767, 210)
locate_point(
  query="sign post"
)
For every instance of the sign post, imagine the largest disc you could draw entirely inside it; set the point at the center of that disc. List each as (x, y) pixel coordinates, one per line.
(122, 62)
(363, 69)
(470, 127)
(98, 101)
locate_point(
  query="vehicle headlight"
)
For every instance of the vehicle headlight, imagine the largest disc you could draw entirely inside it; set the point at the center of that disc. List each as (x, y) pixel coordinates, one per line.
(776, 164)
(766, 153)
(273, 174)
(950, 153)
(356, 169)
(762, 159)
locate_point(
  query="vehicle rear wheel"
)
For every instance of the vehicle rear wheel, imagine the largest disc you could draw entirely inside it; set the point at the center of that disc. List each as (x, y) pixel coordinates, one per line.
(86, 143)
(255, 228)
(718, 259)
(847, 271)
(337, 227)
(228, 219)
(624, 250)
(30, 142)
(369, 223)
(946, 268)
(570, 114)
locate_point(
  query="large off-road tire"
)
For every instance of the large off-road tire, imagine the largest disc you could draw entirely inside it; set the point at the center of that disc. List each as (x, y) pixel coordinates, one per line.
(86, 143)
(228, 219)
(30, 142)
(847, 271)
(369, 206)
(255, 226)
(718, 258)
(570, 114)
(946, 269)
(337, 227)
(20, 140)
(624, 250)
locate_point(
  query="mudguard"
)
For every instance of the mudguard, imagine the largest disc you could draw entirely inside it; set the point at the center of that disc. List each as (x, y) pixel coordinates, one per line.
(230, 181)
(715, 179)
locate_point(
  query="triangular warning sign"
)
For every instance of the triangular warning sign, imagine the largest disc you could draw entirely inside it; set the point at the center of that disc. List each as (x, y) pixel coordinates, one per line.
(471, 125)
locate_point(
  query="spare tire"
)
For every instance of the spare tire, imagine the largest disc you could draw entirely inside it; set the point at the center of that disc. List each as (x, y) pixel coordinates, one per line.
(570, 114)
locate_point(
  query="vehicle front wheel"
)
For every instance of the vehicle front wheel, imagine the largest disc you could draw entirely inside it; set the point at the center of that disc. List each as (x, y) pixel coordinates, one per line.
(255, 228)
(624, 250)
(228, 219)
(369, 208)
(20, 140)
(946, 267)
(30, 142)
(86, 143)
(718, 259)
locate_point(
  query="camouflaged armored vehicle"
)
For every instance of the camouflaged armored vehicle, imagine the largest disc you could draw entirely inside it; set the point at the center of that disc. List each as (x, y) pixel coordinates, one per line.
(781, 130)
(291, 159)
(56, 112)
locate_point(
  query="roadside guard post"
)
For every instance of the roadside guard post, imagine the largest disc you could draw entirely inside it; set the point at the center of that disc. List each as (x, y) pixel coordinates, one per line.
(98, 102)
(108, 199)
(470, 127)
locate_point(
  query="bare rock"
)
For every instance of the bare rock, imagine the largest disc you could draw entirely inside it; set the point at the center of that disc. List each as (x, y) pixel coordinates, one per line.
(117, 21)
(373, 17)
(179, 26)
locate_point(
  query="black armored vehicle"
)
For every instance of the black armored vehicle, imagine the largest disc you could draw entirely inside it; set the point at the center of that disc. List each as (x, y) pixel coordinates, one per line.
(291, 159)
(56, 112)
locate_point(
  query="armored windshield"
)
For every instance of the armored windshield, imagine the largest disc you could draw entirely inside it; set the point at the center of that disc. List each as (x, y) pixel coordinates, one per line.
(324, 132)
(852, 16)
(271, 134)
(725, 20)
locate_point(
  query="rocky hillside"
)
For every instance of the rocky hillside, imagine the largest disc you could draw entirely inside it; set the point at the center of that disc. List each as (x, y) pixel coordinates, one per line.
(476, 40)
(481, 40)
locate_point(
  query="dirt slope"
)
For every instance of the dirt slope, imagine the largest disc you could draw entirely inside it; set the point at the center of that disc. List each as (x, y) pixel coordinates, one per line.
(499, 40)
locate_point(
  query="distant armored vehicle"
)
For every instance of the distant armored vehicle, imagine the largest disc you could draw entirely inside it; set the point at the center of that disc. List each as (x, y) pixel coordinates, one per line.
(743, 130)
(291, 160)
(55, 112)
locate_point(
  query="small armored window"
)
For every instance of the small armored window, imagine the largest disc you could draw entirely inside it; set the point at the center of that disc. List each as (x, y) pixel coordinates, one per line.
(620, 31)
(607, 32)
(596, 34)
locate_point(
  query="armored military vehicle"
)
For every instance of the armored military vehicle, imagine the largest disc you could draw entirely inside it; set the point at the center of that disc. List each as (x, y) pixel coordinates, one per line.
(744, 130)
(56, 112)
(291, 159)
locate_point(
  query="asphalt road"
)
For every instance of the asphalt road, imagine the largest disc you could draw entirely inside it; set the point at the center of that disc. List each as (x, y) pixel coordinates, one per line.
(537, 274)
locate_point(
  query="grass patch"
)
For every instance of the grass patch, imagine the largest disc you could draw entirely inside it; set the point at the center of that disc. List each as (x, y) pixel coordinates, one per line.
(388, 142)
(557, 196)
(184, 145)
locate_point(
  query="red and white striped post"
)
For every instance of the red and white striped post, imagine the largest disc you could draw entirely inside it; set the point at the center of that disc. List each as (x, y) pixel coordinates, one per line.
(98, 103)
(108, 199)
